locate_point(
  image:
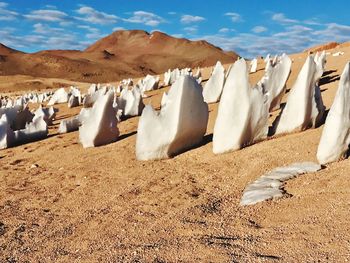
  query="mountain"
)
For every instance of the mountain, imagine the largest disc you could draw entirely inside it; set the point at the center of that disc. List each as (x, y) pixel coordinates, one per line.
(158, 51)
(125, 53)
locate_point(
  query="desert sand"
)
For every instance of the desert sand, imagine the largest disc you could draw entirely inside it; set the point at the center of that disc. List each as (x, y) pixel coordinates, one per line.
(60, 202)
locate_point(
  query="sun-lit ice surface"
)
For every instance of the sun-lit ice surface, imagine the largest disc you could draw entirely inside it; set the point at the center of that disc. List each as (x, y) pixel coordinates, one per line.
(335, 139)
(304, 108)
(181, 123)
(99, 126)
(243, 112)
(213, 87)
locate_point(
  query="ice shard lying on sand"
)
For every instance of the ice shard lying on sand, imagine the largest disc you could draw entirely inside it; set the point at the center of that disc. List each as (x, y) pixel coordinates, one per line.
(179, 125)
(243, 112)
(99, 126)
(304, 108)
(213, 88)
(335, 139)
(270, 185)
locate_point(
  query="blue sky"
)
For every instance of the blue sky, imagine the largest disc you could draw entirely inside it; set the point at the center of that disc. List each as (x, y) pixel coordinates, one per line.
(250, 28)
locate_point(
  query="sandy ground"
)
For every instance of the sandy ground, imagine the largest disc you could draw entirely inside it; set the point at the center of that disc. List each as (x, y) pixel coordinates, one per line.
(101, 205)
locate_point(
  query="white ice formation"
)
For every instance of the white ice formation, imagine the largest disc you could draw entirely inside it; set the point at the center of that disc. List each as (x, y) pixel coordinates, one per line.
(179, 125)
(213, 87)
(304, 108)
(243, 112)
(335, 139)
(99, 127)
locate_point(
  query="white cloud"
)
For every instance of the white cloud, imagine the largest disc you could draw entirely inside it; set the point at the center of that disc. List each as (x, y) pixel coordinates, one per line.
(191, 30)
(146, 18)
(292, 39)
(224, 30)
(118, 28)
(312, 22)
(235, 17)
(47, 15)
(46, 30)
(6, 14)
(172, 13)
(294, 31)
(93, 33)
(177, 35)
(259, 29)
(187, 19)
(281, 18)
(333, 32)
(66, 41)
(51, 6)
(93, 16)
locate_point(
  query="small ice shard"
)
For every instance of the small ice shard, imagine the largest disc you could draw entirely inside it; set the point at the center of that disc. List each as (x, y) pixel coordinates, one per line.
(148, 83)
(69, 125)
(90, 99)
(270, 185)
(335, 139)
(48, 114)
(130, 102)
(177, 127)
(6, 133)
(73, 101)
(253, 65)
(22, 118)
(127, 82)
(11, 113)
(175, 74)
(99, 127)
(320, 60)
(213, 88)
(75, 97)
(35, 130)
(92, 89)
(243, 112)
(60, 96)
(73, 124)
(198, 73)
(167, 76)
(274, 82)
(304, 108)
(337, 54)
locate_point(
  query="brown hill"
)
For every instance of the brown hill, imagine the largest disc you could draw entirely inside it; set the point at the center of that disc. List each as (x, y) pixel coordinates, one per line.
(122, 54)
(158, 51)
(322, 47)
(4, 50)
